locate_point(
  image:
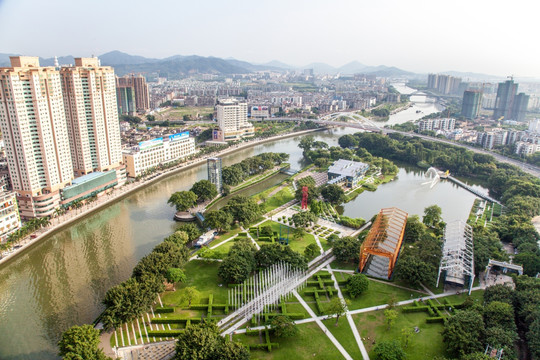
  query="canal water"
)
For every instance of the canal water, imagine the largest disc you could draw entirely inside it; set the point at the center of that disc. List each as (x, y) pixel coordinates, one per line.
(62, 280)
(251, 190)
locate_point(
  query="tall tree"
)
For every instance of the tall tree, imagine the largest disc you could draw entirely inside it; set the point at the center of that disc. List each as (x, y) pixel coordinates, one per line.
(357, 284)
(333, 193)
(183, 200)
(432, 216)
(203, 342)
(81, 342)
(219, 219)
(346, 249)
(304, 219)
(190, 294)
(464, 333)
(204, 190)
(389, 350)
(390, 317)
(336, 307)
(283, 326)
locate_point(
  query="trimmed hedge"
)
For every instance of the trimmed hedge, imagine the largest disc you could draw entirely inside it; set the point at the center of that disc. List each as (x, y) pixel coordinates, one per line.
(268, 346)
(164, 333)
(173, 320)
(409, 309)
(436, 319)
(163, 310)
(292, 316)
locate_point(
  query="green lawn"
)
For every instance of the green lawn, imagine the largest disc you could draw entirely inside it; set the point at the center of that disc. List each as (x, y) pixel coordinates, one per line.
(379, 294)
(426, 344)
(283, 196)
(475, 295)
(310, 343)
(179, 112)
(202, 275)
(344, 335)
(296, 245)
(343, 265)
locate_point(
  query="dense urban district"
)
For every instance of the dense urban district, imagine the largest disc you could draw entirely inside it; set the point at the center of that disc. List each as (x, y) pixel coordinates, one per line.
(264, 263)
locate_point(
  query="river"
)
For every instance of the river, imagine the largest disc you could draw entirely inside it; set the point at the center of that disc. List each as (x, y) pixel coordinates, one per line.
(410, 193)
(62, 280)
(422, 105)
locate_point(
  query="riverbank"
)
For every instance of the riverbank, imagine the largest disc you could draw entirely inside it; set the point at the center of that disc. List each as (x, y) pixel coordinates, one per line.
(75, 215)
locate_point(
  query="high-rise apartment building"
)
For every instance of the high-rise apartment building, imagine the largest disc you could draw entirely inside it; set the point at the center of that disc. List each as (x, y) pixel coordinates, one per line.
(232, 120)
(444, 84)
(519, 110)
(34, 127)
(126, 100)
(59, 123)
(472, 100)
(506, 93)
(214, 173)
(132, 94)
(91, 112)
(433, 81)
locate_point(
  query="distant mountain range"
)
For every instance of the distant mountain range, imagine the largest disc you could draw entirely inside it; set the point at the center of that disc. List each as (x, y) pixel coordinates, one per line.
(179, 65)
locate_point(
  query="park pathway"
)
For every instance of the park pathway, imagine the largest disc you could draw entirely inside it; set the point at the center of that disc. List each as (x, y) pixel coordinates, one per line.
(323, 327)
(354, 329)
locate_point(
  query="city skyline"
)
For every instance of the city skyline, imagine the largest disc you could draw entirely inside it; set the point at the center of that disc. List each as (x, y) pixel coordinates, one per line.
(411, 35)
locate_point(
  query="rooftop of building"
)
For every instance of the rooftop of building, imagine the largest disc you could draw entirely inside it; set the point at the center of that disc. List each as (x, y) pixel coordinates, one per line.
(86, 178)
(346, 167)
(230, 101)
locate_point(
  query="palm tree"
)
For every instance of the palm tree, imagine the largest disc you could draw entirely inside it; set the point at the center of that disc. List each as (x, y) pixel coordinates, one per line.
(45, 221)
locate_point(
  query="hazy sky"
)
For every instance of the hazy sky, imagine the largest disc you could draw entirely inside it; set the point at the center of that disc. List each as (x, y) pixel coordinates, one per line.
(494, 37)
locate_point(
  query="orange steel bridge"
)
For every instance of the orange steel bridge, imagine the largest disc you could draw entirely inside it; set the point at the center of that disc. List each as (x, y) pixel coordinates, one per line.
(384, 238)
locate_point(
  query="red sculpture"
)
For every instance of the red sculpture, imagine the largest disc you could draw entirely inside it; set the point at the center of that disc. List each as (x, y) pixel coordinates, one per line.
(304, 197)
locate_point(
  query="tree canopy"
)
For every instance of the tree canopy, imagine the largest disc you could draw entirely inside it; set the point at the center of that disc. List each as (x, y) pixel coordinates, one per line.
(389, 350)
(333, 193)
(304, 219)
(81, 342)
(283, 326)
(239, 263)
(183, 200)
(243, 209)
(204, 342)
(346, 249)
(464, 333)
(204, 190)
(357, 284)
(218, 219)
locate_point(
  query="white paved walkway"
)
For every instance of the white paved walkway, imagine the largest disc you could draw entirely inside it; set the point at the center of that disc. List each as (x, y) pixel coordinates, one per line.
(349, 318)
(323, 327)
(223, 242)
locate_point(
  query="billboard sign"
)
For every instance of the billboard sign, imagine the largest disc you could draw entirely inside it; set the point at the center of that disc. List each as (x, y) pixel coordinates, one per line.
(143, 145)
(179, 136)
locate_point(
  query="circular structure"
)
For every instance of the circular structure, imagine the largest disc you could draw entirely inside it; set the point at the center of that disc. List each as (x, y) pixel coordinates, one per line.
(184, 216)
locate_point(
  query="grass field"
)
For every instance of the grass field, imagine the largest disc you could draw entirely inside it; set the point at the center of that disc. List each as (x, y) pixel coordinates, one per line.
(296, 245)
(202, 275)
(426, 344)
(310, 343)
(344, 335)
(179, 112)
(283, 196)
(378, 294)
